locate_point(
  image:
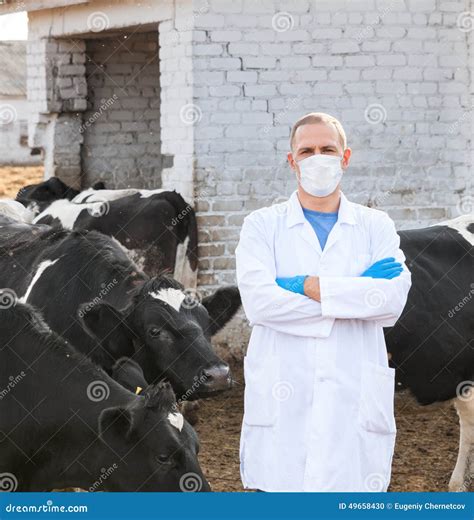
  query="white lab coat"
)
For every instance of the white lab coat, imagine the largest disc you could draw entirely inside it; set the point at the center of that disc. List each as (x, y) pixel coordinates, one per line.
(319, 392)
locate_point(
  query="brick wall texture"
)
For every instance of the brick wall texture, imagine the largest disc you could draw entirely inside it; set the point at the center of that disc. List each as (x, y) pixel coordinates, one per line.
(121, 125)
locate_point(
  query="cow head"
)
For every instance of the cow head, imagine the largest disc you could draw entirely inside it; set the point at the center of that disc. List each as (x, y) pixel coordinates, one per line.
(168, 332)
(149, 446)
(39, 196)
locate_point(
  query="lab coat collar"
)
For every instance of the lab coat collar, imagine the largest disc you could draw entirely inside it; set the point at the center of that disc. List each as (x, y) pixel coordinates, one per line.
(296, 215)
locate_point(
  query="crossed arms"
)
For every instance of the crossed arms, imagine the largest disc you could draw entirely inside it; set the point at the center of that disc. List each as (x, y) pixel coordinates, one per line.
(325, 298)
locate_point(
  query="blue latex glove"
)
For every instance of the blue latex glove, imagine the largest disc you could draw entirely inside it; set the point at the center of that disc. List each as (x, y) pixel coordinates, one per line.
(386, 268)
(294, 284)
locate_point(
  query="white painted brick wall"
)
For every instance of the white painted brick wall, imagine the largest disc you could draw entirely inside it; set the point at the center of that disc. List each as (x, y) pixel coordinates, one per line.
(341, 57)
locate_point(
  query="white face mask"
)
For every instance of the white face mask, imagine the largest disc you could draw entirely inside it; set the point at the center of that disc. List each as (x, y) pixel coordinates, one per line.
(320, 174)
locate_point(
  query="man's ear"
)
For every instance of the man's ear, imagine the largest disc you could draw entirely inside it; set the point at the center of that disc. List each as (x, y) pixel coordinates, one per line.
(108, 325)
(115, 424)
(291, 161)
(346, 158)
(221, 306)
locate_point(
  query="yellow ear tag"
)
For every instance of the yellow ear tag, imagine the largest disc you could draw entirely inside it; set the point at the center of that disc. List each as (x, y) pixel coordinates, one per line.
(138, 390)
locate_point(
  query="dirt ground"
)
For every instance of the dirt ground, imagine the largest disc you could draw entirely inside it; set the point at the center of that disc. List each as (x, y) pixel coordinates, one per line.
(425, 453)
(12, 178)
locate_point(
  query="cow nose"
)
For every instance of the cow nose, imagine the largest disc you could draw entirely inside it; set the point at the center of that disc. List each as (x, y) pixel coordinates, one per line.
(217, 377)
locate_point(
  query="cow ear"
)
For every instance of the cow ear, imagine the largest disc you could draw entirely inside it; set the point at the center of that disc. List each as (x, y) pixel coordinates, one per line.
(221, 306)
(129, 374)
(115, 424)
(57, 186)
(108, 325)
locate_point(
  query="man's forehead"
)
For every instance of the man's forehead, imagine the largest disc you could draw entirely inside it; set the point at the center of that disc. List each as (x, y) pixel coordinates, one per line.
(321, 134)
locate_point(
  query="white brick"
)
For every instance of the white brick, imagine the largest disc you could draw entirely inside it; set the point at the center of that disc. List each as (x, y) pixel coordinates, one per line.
(377, 73)
(408, 74)
(262, 6)
(243, 49)
(260, 36)
(418, 33)
(408, 46)
(295, 6)
(422, 5)
(390, 87)
(308, 48)
(209, 20)
(227, 6)
(256, 118)
(450, 6)
(290, 89)
(310, 75)
(208, 49)
(273, 76)
(376, 46)
(293, 35)
(224, 91)
(393, 60)
(420, 19)
(327, 61)
(327, 34)
(224, 63)
(394, 33)
(344, 75)
(241, 76)
(208, 78)
(360, 87)
(296, 62)
(243, 20)
(275, 49)
(259, 63)
(226, 36)
(360, 61)
(344, 47)
(260, 90)
(333, 89)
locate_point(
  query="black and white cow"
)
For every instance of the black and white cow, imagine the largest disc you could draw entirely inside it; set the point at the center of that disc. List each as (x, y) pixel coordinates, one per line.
(93, 295)
(432, 344)
(37, 197)
(157, 227)
(65, 423)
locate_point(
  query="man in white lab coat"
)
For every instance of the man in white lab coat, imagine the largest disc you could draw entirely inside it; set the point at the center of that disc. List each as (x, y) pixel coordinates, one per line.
(319, 277)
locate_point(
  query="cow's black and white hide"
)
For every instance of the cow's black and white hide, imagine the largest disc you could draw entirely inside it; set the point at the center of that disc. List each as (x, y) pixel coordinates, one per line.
(157, 227)
(432, 344)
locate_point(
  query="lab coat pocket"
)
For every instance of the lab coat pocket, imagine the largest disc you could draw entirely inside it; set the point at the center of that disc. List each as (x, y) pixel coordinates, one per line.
(261, 376)
(376, 411)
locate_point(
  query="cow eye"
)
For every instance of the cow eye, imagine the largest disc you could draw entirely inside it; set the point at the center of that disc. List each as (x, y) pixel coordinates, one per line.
(154, 332)
(164, 459)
